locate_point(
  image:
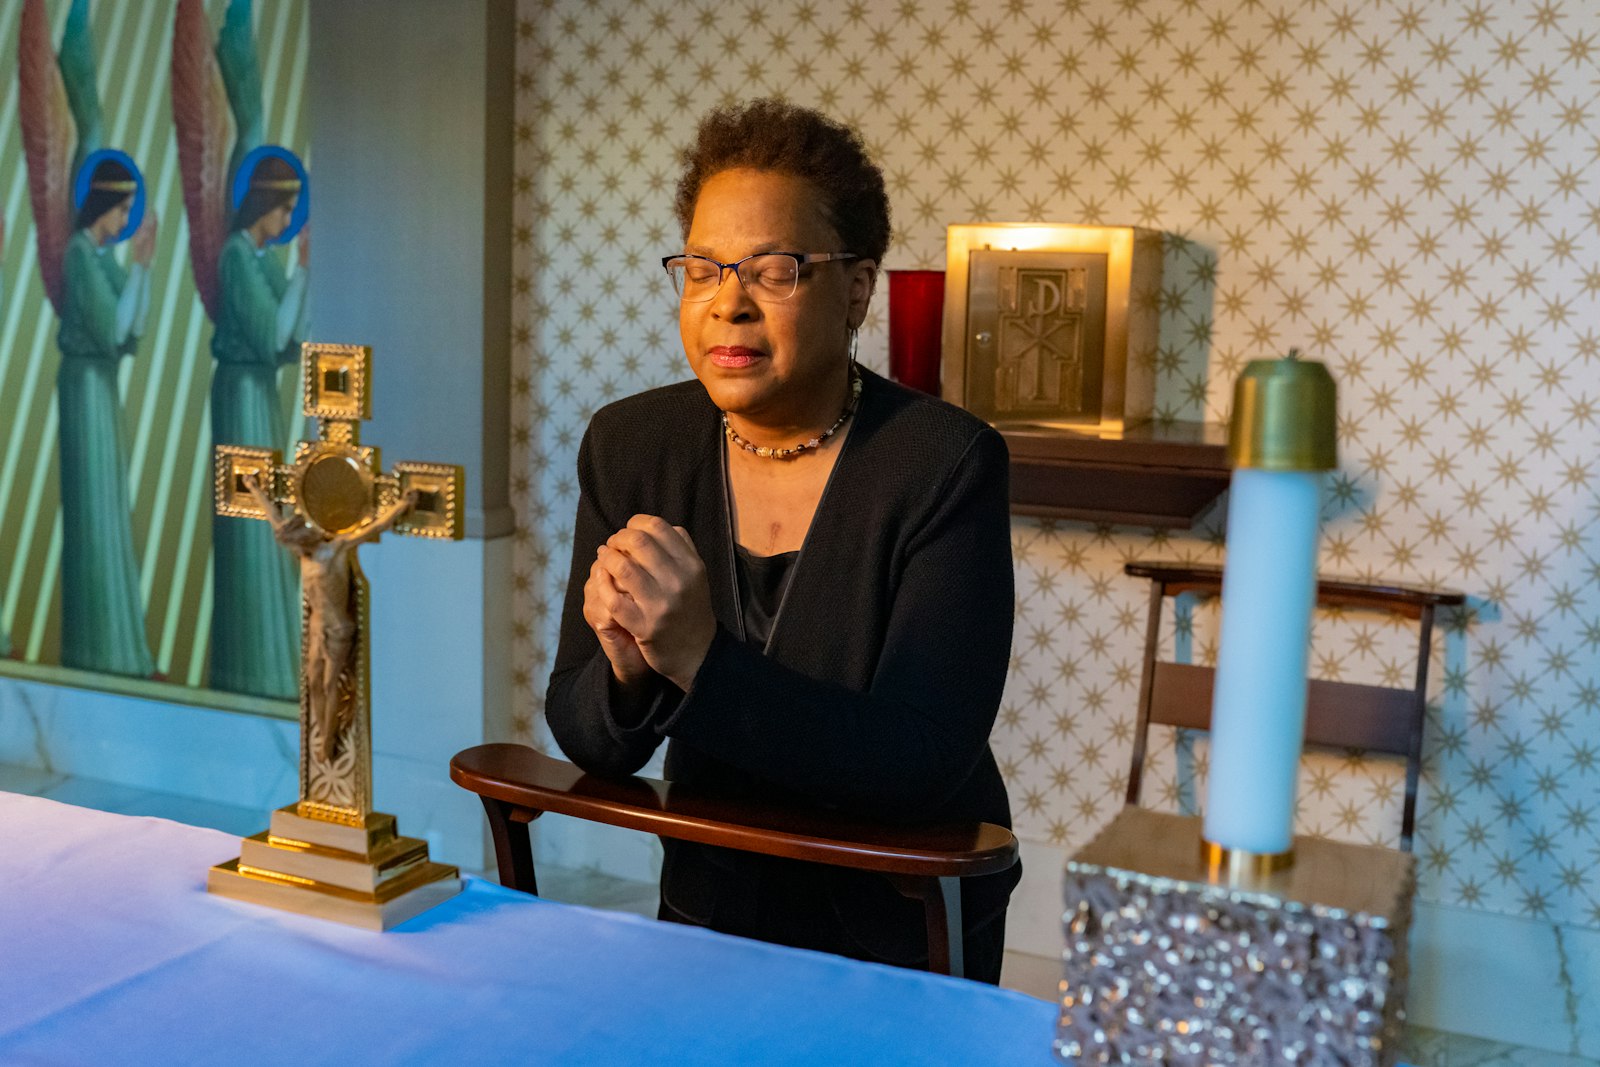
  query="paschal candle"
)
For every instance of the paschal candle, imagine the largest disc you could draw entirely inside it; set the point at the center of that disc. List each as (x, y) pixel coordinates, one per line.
(1281, 440)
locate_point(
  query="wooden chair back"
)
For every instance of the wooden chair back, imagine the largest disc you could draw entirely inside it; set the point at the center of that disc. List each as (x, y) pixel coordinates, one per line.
(1338, 714)
(517, 784)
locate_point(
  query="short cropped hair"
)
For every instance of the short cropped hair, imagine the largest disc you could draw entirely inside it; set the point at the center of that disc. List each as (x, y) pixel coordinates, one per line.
(779, 136)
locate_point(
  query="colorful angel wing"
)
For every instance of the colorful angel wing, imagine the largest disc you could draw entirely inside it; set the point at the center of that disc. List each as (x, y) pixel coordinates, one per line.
(48, 140)
(77, 75)
(241, 75)
(200, 113)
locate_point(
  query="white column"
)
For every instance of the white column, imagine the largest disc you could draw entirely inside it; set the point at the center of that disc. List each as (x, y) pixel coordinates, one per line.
(411, 167)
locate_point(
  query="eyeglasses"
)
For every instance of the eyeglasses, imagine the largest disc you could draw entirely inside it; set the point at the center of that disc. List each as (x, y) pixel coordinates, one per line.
(765, 276)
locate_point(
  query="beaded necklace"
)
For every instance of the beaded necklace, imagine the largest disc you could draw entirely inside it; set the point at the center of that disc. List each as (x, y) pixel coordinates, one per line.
(816, 442)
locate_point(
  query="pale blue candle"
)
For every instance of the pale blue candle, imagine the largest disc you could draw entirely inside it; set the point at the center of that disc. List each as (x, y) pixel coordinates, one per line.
(1258, 713)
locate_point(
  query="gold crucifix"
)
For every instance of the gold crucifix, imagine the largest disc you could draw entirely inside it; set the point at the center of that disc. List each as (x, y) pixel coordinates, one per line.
(333, 498)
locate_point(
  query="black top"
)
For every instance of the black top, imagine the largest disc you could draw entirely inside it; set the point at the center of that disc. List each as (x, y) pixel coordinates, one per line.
(762, 580)
(883, 674)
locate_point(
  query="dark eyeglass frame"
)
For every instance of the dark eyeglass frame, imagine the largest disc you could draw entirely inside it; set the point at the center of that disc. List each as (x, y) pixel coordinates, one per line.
(801, 259)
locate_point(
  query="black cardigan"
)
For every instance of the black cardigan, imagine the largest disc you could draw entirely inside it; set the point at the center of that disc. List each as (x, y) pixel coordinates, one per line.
(880, 684)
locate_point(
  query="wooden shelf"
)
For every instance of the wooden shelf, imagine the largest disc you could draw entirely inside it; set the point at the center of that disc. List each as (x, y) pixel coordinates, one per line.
(1147, 475)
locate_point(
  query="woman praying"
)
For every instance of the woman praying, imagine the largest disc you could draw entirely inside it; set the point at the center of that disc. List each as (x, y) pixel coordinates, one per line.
(791, 569)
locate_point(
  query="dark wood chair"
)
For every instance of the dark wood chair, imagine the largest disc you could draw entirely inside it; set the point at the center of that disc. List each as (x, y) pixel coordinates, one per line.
(517, 784)
(1338, 714)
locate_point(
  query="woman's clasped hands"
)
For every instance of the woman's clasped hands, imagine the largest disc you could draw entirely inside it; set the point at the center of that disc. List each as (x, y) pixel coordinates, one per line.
(648, 601)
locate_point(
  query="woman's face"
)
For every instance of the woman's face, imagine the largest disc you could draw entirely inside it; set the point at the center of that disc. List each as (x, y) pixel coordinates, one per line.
(779, 363)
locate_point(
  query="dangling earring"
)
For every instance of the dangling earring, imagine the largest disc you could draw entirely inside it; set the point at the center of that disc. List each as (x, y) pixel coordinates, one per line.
(855, 371)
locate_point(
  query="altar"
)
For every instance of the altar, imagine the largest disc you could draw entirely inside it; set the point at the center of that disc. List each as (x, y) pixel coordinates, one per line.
(113, 951)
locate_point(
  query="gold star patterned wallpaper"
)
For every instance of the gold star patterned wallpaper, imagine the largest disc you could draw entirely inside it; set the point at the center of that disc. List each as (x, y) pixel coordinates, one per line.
(1408, 191)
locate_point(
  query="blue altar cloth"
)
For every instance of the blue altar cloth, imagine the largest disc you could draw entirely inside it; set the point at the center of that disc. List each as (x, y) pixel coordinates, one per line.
(112, 951)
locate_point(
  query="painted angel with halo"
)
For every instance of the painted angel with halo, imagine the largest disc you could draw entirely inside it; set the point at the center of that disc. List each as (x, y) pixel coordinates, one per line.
(86, 199)
(245, 200)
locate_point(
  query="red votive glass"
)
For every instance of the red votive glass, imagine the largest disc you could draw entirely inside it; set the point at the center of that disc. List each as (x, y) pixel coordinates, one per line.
(916, 327)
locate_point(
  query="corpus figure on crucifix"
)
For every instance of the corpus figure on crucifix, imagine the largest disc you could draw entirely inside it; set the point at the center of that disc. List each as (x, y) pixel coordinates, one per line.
(326, 570)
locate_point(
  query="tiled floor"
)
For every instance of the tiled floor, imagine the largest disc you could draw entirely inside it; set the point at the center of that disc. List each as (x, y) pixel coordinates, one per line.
(1034, 975)
(1430, 1048)
(595, 889)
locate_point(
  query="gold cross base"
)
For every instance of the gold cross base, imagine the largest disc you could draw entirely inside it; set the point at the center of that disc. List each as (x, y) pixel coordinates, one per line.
(366, 876)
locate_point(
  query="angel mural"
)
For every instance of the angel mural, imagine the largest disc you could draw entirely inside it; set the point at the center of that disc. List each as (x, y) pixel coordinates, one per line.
(245, 199)
(87, 198)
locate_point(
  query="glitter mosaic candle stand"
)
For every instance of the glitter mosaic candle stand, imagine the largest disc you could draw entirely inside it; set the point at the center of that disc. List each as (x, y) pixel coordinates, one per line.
(1281, 439)
(1167, 961)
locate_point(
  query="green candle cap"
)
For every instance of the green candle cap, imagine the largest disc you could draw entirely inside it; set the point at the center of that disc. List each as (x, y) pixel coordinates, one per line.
(1285, 416)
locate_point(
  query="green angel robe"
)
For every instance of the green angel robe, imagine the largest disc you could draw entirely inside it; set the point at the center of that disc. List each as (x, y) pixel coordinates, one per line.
(255, 623)
(5, 639)
(102, 615)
